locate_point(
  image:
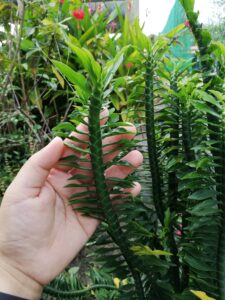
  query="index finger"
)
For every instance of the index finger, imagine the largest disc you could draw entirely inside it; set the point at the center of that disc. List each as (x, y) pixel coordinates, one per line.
(80, 139)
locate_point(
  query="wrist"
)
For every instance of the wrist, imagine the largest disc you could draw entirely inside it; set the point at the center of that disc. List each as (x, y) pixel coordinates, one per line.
(15, 282)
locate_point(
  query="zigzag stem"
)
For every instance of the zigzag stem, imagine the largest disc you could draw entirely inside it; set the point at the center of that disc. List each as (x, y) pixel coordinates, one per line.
(186, 135)
(221, 250)
(206, 67)
(51, 291)
(206, 63)
(151, 140)
(174, 135)
(189, 156)
(173, 189)
(102, 190)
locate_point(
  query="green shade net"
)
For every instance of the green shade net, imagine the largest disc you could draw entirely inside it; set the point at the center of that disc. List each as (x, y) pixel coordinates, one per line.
(177, 16)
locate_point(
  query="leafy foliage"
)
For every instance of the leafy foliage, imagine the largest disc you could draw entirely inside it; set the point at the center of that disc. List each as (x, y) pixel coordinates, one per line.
(169, 242)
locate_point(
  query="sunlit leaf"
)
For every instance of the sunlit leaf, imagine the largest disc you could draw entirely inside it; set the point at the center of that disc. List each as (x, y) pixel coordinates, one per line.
(145, 250)
(74, 77)
(201, 295)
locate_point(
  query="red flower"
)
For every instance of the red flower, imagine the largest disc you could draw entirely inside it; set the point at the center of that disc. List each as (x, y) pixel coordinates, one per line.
(78, 14)
(61, 1)
(129, 65)
(187, 24)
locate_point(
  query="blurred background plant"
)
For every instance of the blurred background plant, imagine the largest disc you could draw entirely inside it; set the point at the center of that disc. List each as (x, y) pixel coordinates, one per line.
(34, 96)
(217, 24)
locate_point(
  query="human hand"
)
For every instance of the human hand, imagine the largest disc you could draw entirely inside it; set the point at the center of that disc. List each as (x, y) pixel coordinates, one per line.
(40, 233)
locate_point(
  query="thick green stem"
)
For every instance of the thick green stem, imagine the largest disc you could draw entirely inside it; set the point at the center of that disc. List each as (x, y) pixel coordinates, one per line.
(207, 62)
(151, 140)
(102, 190)
(221, 262)
(221, 246)
(186, 135)
(173, 189)
(189, 156)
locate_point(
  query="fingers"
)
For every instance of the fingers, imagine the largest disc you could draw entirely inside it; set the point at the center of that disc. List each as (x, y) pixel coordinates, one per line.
(111, 143)
(134, 159)
(134, 191)
(80, 139)
(59, 179)
(33, 174)
(111, 148)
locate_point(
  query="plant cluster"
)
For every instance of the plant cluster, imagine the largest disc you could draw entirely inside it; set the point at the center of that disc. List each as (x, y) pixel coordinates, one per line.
(33, 95)
(169, 243)
(216, 25)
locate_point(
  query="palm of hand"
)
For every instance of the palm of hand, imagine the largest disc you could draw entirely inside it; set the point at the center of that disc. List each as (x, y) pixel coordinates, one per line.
(48, 230)
(40, 233)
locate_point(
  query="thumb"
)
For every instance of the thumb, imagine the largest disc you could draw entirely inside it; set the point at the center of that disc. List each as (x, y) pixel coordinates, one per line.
(34, 173)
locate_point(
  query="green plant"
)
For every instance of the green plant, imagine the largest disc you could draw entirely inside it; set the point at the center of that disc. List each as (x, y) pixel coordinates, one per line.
(34, 97)
(169, 242)
(174, 250)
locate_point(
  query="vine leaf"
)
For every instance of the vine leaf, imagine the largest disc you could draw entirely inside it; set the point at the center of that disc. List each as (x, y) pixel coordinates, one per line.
(59, 77)
(112, 66)
(201, 295)
(145, 250)
(74, 77)
(188, 5)
(87, 60)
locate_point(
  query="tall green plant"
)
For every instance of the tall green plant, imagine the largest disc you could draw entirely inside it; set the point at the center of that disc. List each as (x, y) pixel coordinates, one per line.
(99, 81)
(212, 81)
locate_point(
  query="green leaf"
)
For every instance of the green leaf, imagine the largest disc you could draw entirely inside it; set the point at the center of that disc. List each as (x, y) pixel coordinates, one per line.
(194, 175)
(3, 6)
(207, 97)
(88, 34)
(188, 5)
(175, 31)
(113, 15)
(203, 162)
(139, 39)
(125, 31)
(35, 97)
(204, 108)
(145, 250)
(197, 264)
(59, 77)
(74, 77)
(115, 101)
(219, 50)
(112, 66)
(206, 37)
(120, 15)
(73, 40)
(220, 96)
(205, 208)
(65, 127)
(202, 195)
(87, 60)
(27, 45)
(201, 295)
(140, 230)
